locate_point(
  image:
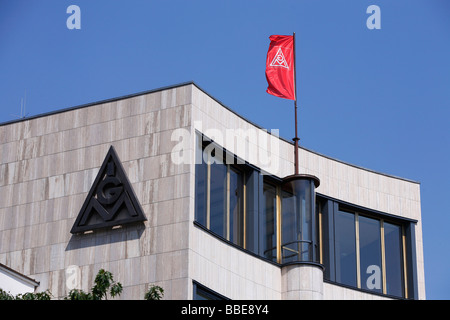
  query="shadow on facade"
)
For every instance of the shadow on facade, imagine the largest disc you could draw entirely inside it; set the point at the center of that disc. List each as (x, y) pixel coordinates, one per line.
(98, 238)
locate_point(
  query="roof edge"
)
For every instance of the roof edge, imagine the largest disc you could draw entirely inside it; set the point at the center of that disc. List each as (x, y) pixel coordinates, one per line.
(301, 147)
(212, 97)
(90, 104)
(19, 275)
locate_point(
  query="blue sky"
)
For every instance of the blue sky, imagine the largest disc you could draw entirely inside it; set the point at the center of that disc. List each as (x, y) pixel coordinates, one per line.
(379, 99)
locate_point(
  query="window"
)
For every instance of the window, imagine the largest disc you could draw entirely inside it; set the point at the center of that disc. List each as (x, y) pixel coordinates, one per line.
(367, 251)
(370, 253)
(269, 221)
(236, 206)
(345, 244)
(218, 199)
(298, 220)
(201, 191)
(203, 293)
(219, 196)
(393, 240)
(358, 247)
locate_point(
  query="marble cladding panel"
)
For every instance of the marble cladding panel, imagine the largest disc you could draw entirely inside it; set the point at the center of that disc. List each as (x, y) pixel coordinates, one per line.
(230, 271)
(338, 179)
(47, 166)
(346, 182)
(302, 282)
(334, 292)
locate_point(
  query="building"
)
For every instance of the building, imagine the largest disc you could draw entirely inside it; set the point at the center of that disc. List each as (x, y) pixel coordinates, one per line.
(170, 187)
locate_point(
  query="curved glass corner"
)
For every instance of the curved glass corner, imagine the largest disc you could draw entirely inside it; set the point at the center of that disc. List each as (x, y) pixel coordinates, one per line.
(298, 219)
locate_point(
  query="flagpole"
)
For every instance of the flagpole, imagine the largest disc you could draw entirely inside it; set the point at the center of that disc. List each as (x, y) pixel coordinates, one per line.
(296, 139)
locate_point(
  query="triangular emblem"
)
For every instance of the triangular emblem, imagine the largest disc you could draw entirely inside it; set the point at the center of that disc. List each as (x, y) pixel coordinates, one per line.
(279, 60)
(111, 200)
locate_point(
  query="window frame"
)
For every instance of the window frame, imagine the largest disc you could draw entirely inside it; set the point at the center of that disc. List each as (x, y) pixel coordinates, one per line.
(277, 220)
(200, 290)
(327, 209)
(222, 159)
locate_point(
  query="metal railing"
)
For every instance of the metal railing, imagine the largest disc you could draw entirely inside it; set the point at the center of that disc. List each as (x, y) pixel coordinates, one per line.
(287, 252)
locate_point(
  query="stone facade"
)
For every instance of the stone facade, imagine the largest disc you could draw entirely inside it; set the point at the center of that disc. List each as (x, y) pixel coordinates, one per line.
(48, 164)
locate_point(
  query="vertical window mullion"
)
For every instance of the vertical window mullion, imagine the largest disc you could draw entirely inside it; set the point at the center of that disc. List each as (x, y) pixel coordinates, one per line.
(358, 262)
(278, 224)
(227, 223)
(208, 193)
(383, 256)
(244, 211)
(320, 234)
(405, 275)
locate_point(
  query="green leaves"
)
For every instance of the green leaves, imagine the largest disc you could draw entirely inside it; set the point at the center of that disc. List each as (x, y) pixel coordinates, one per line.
(154, 293)
(104, 286)
(46, 295)
(76, 294)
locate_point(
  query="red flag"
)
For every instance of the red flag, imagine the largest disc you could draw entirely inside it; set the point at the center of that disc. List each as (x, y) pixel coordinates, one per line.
(280, 67)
